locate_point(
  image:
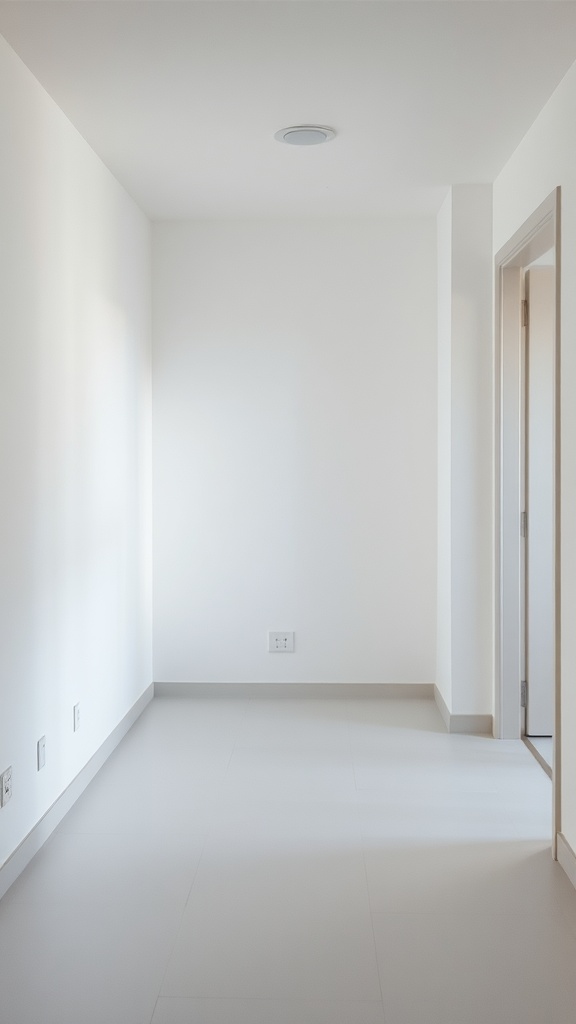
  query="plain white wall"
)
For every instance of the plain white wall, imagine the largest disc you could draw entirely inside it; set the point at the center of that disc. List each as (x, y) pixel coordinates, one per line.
(295, 450)
(75, 581)
(545, 159)
(465, 349)
(444, 575)
(465, 485)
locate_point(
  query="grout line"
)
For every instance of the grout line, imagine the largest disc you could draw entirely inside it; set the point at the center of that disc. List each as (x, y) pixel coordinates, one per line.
(178, 929)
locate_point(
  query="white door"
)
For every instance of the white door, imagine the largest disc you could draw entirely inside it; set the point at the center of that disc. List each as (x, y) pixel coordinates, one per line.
(540, 502)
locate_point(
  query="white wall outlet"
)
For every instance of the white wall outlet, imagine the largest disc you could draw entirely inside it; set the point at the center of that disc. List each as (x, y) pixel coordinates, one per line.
(281, 643)
(41, 752)
(76, 717)
(5, 786)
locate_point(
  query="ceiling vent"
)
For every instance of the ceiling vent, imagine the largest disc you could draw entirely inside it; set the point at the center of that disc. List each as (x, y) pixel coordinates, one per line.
(305, 135)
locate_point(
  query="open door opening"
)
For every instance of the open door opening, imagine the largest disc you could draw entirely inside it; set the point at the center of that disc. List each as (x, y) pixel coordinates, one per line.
(527, 488)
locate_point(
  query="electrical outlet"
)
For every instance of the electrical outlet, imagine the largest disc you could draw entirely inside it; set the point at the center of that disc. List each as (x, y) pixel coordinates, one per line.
(281, 643)
(5, 786)
(76, 717)
(41, 752)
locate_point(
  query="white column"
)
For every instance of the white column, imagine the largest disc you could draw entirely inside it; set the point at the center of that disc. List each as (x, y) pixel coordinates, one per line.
(465, 426)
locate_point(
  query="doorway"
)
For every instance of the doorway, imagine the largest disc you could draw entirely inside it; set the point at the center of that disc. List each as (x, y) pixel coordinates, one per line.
(527, 485)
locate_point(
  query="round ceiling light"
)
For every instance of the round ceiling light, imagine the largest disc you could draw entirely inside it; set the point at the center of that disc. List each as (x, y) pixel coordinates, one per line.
(305, 135)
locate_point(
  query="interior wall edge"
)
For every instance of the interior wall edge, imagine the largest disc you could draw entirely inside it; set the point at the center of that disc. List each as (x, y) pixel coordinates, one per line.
(442, 707)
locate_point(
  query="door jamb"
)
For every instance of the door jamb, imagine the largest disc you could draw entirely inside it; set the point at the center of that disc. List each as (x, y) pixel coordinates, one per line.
(537, 235)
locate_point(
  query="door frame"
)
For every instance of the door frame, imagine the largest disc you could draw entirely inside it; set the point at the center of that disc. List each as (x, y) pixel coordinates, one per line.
(539, 475)
(540, 233)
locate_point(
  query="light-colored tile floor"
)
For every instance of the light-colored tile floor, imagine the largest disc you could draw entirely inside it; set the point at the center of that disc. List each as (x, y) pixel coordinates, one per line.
(297, 862)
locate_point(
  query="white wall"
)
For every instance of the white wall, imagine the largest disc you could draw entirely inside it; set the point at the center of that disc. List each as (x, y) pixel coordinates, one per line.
(444, 574)
(74, 449)
(465, 484)
(295, 450)
(545, 159)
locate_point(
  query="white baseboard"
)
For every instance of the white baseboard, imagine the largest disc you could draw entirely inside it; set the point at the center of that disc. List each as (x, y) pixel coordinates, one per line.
(343, 691)
(566, 857)
(469, 725)
(472, 725)
(35, 839)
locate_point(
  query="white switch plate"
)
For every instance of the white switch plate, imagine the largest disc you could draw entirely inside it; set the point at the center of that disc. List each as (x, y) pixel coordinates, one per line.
(281, 643)
(41, 752)
(76, 717)
(5, 786)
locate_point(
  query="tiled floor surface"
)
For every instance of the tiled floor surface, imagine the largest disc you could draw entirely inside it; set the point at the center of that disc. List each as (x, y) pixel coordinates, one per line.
(297, 862)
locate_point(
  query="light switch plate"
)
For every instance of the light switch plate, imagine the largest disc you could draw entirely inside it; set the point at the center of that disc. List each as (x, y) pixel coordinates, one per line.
(5, 786)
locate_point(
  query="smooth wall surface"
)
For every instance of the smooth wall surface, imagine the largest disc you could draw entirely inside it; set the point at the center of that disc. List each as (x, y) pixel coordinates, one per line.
(75, 582)
(444, 575)
(465, 402)
(545, 159)
(472, 530)
(295, 450)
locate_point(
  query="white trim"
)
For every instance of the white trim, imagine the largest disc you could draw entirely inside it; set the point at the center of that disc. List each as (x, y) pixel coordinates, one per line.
(472, 725)
(44, 828)
(566, 857)
(538, 756)
(536, 236)
(343, 691)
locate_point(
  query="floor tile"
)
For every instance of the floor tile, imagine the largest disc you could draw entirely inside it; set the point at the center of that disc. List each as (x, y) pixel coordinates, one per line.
(413, 715)
(291, 770)
(474, 969)
(477, 877)
(110, 868)
(137, 800)
(308, 721)
(276, 923)
(97, 964)
(296, 862)
(312, 825)
(266, 1011)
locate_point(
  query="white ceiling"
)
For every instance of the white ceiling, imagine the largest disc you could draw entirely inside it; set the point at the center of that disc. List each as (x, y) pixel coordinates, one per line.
(182, 100)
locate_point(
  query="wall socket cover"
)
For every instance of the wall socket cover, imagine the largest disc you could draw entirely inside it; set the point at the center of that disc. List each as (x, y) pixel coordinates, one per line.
(5, 786)
(76, 717)
(41, 752)
(281, 643)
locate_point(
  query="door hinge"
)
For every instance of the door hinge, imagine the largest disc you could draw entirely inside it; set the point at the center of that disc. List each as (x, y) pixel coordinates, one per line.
(523, 693)
(524, 525)
(524, 312)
